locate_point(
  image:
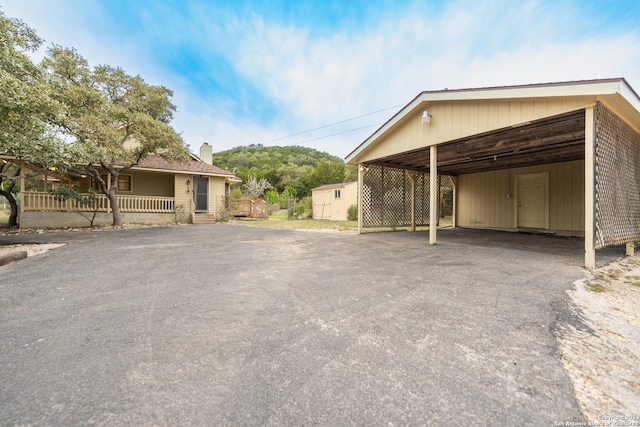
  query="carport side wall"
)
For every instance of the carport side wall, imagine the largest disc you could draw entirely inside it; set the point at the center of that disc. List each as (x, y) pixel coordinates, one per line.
(488, 199)
(617, 177)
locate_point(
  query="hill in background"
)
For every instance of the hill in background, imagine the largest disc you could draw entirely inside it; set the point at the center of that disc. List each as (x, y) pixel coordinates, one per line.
(296, 167)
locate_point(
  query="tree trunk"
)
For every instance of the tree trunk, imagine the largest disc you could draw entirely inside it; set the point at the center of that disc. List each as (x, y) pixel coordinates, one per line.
(13, 216)
(115, 208)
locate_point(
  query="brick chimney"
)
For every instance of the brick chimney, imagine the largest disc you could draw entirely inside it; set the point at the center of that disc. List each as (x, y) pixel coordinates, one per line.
(206, 153)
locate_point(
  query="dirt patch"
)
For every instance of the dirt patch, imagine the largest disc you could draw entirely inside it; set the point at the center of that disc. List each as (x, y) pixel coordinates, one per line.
(37, 249)
(32, 250)
(602, 355)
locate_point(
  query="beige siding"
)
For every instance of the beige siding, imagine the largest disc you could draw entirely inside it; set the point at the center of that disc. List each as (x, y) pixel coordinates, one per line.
(185, 199)
(322, 203)
(216, 195)
(184, 196)
(454, 120)
(326, 206)
(150, 184)
(488, 199)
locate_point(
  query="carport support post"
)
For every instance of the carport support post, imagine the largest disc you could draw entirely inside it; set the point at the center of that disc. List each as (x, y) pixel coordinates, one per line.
(433, 194)
(589, 190)
(360, 192)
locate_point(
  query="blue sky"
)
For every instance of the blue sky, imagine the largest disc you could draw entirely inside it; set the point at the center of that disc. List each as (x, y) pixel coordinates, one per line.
(248, 72)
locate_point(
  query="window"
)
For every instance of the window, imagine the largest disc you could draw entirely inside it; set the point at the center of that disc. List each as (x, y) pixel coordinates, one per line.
(94, 183)
(124, 183)
(336, 194)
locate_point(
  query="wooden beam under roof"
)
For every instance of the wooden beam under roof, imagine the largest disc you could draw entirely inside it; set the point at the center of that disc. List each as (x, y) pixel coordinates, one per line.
(551, 140)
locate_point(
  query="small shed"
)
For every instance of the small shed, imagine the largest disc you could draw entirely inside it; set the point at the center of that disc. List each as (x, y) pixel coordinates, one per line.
(332, 201)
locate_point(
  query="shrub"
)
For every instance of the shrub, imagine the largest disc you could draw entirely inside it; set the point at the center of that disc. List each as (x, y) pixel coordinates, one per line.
(352, 213)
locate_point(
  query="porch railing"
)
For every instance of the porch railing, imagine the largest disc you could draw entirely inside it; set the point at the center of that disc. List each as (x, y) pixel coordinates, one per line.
(45, 202)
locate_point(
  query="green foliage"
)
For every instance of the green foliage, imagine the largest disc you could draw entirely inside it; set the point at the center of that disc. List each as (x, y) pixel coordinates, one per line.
(297, 167)
(304, 208)
(236, 193)
(272, 197)
(289, 193)
(27, 107)
(350, 173)
(115, 120)
(89, 199)
(65, 193)
(352, 213)
(447, 201)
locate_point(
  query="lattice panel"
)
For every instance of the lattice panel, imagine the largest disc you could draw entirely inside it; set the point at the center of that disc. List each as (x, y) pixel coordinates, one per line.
(617, 177)
(386, 198)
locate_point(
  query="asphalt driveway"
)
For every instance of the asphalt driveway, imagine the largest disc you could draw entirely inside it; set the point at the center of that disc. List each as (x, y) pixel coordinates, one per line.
(234, 325)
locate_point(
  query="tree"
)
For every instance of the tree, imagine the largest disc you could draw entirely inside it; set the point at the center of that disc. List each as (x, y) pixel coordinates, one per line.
(80, 201)
(325, 173)
(255, 187)
(27, 109)
(115, 120)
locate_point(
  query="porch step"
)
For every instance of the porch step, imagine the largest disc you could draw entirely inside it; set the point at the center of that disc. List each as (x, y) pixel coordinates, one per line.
(204, 218)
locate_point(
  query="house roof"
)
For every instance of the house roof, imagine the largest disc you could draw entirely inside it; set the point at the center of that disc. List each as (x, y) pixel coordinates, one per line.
(195, 166)
(616, 92)
(331, 186)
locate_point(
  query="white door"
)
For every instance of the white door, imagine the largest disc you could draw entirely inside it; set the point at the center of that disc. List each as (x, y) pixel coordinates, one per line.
(533, 200)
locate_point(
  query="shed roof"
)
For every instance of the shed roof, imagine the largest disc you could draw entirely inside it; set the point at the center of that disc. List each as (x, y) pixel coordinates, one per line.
(331, 186)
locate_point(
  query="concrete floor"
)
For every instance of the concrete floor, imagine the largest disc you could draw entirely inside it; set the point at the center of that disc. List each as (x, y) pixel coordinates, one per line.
(235, 325)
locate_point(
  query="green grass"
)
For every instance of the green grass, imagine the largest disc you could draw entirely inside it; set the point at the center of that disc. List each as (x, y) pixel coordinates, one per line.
(632, 280)
(596, 287)
(281, 221)
(278, 217)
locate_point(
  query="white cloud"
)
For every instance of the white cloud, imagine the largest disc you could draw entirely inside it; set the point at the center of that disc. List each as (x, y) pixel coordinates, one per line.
(313, 78)
(326, 79)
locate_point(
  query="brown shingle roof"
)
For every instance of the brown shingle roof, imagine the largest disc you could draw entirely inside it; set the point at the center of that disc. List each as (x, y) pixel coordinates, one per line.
(195, 166)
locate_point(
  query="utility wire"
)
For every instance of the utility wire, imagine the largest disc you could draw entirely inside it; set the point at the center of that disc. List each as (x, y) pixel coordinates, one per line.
(333, 124)
(338, 133)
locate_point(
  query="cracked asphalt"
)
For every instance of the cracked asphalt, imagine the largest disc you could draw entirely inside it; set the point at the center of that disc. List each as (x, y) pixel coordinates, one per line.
(234, 325)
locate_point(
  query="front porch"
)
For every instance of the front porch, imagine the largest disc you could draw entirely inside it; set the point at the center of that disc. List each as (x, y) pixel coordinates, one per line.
(44, 210)
(37, 201)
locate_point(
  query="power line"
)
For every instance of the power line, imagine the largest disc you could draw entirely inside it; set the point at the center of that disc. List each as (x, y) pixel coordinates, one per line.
(333, 124)
(338, 133)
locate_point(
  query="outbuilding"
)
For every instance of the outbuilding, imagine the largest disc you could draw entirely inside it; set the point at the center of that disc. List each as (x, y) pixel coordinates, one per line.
(332, 201)
(557, 158)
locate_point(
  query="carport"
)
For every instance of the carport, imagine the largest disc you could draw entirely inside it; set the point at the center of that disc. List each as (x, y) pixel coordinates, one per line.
(559, 158)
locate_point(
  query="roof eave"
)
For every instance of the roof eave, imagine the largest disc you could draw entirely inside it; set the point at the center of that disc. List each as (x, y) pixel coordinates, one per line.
(186, 172)
(593, 88)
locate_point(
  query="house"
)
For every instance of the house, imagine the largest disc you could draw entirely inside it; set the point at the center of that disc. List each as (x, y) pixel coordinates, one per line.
(558, 158)
(332, 201)
(156, 191)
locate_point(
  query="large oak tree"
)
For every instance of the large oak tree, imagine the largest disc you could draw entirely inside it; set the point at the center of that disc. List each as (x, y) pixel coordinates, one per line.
(27, 109)
(114, 119)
